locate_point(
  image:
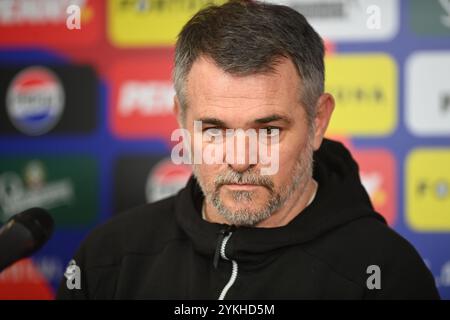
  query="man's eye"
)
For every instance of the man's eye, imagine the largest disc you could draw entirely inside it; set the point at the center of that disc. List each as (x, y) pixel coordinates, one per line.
(272, 131)
(213, 132)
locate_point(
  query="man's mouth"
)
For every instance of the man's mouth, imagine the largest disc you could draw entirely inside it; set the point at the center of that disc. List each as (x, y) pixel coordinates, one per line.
(242, 186)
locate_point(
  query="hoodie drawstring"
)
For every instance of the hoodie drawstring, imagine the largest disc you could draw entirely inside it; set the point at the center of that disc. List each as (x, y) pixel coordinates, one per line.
(222, 234)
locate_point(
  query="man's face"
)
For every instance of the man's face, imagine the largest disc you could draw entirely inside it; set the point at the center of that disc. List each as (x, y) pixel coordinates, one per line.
(239, 192)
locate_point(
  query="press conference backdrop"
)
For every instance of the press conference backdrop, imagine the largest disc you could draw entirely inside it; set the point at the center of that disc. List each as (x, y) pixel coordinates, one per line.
(85, 115)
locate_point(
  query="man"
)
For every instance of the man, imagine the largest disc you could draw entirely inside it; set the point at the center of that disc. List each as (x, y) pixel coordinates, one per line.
(307, 231)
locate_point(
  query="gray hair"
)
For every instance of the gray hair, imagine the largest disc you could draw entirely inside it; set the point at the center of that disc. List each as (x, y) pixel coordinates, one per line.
(249, 37)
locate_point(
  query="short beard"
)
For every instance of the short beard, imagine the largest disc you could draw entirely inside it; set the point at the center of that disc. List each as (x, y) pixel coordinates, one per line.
(250, 217)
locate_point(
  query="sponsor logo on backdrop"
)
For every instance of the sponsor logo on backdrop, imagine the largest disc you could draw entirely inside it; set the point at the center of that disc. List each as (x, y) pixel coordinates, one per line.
(65, 185)
(427, 102)
(19, 193)
(365, 89)
(146, 98)
(377, 171)
(356, 20)
(45, 21)
(142, 99)
(150, 22)
(428, 190)
(140, 179)
(166, 179)
(429, 18)
(35, 100)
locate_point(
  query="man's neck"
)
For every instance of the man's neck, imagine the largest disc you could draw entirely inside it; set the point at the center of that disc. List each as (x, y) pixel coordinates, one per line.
(297, 202)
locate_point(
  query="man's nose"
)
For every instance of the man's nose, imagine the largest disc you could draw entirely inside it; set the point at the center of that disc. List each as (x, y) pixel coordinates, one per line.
(239, 155)
(241, 167)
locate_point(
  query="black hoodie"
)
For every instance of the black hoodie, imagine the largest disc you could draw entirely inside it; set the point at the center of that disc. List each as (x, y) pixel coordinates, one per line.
(165, 250)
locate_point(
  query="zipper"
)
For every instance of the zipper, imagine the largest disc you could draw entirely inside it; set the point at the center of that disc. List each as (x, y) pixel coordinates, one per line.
(222, 240)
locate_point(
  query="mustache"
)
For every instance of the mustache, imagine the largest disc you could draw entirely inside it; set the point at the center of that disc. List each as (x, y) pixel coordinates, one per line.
(233, 177)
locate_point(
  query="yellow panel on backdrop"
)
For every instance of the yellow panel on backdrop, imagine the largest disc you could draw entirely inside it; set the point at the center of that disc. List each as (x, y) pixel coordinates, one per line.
(135, 23)
(365, 89)
(427, 187)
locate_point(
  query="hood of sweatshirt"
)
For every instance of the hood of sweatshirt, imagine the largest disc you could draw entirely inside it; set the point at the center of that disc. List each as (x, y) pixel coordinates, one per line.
(340, 199)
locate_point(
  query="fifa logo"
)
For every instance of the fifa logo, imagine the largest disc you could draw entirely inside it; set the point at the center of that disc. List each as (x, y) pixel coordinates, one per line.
(73, 275)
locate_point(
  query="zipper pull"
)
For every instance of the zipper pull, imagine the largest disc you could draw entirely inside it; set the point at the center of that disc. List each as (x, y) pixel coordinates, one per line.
(222, 234)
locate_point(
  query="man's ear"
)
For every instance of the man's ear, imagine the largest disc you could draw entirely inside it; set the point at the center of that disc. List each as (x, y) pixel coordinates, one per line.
(324, 107)
(177, 111)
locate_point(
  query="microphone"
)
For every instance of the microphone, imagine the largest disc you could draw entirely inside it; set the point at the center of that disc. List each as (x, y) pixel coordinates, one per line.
(23, 234)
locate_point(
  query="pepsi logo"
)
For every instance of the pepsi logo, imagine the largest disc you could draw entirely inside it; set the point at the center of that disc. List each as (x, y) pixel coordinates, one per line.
(35, 101)
(166, 179)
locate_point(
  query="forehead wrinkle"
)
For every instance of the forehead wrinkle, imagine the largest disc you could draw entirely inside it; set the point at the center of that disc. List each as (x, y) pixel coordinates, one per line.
(264, 86)
(241, 106)
(266, 97)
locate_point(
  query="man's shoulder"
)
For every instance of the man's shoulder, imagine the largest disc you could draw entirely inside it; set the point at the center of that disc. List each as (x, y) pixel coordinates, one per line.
(404, 274)
(368, 239)
(355, 249)
(139, 230)
(378, 239)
